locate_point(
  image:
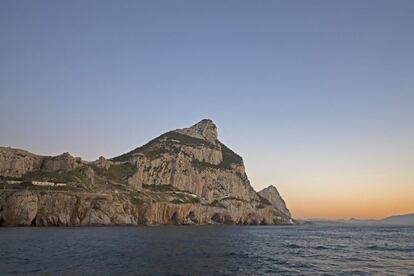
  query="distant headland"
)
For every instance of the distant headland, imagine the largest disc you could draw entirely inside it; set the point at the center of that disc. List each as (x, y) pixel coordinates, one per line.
(185, 176)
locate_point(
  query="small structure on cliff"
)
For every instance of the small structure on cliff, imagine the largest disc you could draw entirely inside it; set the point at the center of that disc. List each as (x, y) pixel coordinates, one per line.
(42, 183)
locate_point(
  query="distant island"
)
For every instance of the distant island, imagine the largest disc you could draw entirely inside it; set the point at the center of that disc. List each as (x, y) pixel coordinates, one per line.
(407, 219)
(185, 176)
(400, 220)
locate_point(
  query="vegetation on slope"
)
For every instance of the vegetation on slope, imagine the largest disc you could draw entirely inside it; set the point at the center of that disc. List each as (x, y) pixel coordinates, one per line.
(230, 157)
(164, 144)
(167, 143)
(162, 193)
(83, 177)
(159, 188)
(116, 172)
(61, 176)
(136, 198)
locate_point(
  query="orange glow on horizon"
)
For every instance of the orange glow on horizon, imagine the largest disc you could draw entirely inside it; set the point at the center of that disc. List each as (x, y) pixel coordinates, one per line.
(346, 209)
(338, 194)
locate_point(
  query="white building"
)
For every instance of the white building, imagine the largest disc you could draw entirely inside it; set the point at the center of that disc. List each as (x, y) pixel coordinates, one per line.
(42, 183)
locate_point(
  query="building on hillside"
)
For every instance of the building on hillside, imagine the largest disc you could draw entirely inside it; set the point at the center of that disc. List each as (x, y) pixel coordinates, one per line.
(43, 183)
(14, 182)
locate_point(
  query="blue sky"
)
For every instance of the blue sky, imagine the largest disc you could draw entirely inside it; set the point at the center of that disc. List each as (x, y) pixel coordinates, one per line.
(318, 96)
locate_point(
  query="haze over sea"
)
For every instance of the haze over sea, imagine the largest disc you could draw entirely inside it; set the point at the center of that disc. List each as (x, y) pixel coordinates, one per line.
(202, 250)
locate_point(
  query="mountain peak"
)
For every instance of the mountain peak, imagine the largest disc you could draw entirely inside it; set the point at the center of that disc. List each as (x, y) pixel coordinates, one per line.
(272, 195)
(204, 122)
(205, 129)
(272, 189)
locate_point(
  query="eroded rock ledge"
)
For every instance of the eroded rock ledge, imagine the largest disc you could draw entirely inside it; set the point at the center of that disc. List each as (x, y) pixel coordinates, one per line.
(40, 208)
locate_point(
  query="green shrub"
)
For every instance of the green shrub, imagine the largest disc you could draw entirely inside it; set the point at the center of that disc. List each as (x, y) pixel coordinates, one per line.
(187, 140)
(136, 199)
(159, 187)
(230, 157)
(76, 175)
(117, 172)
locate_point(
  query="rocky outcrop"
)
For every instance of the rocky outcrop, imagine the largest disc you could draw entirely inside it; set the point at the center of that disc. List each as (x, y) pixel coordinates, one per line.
(33, 208)
(205, 129)
(185, 176)
(191, 159)
(16, 162)
(18, 208)
(64, 162)
(103, 163)
(272, 195)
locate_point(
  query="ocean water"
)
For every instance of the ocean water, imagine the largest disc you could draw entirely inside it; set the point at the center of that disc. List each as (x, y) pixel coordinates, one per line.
(208, 250)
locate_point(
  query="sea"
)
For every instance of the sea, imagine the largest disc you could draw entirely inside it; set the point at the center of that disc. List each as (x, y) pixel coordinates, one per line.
(208, 250)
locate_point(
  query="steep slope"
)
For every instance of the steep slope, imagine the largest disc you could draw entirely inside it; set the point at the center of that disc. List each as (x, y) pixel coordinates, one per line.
(193, 160)
(272, 195)
(185, 176)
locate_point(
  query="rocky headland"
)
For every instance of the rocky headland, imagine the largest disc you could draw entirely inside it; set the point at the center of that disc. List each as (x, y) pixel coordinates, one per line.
(185, 176)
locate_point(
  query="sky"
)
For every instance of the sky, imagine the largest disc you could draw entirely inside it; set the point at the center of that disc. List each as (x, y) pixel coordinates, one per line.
(317, 96)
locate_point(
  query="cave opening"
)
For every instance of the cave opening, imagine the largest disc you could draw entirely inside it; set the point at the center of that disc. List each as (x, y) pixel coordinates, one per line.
(33, 222)
(217, 218)
(175, 219)
(192, 217)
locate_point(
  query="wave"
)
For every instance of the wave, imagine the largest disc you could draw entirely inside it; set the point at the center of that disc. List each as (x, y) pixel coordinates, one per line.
(292, 245)
(388, 248)
(321, 247)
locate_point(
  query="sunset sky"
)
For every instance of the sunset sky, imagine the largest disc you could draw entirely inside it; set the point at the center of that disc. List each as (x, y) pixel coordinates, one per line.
(317, 96)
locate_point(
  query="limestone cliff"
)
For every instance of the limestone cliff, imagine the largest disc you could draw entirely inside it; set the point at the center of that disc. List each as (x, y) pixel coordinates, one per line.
(272, 195)
(185, 176)
(17, 162)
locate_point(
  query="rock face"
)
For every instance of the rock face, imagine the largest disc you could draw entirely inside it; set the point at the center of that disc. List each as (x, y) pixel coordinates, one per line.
(16, 162)
(64, 162)
(19, 209)
(205, 129)
(272, 195)
(33, 208)
(185, 176)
